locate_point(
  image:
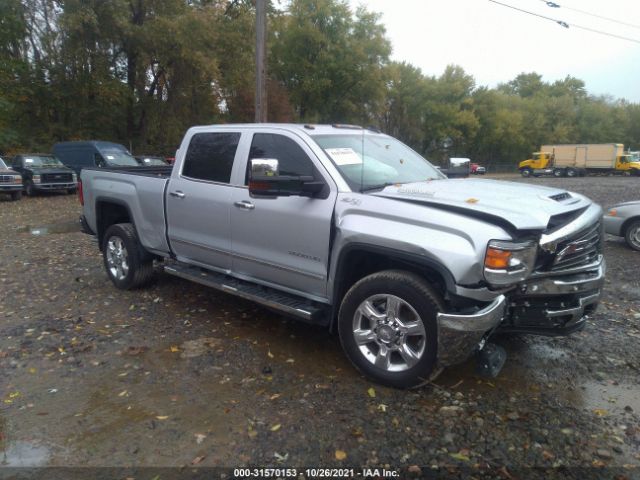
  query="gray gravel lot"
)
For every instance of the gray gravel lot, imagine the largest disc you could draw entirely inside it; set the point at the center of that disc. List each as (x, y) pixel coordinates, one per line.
(180, 375)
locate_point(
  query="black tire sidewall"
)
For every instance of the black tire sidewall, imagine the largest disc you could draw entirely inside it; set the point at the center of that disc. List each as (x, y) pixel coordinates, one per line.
(133, 255)
(419, 373)
(29, 188)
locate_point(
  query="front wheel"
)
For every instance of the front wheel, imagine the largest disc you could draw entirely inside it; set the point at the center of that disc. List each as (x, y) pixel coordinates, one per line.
(16, 196)
(128, 265)
(71, 191)
(526, 172)
(632, 235)
(388, 328)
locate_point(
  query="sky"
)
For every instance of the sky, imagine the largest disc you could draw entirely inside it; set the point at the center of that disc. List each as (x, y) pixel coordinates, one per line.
(494, 43)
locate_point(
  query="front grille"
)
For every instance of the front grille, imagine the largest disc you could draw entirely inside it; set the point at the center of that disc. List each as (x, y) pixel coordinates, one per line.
(6, 178)
(582, 249)
(56, 178)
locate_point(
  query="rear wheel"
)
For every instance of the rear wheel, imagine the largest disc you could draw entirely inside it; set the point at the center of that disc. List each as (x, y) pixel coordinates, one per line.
(572, 172)
(388, 328)
(558, 172)
(632, 235)
(16, 196)
(71, 191)
(526, 172)
(128, 265)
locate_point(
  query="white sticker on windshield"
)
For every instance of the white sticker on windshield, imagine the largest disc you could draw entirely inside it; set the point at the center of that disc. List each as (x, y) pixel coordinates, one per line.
(28, 160)
(110, 157)
(344, 156)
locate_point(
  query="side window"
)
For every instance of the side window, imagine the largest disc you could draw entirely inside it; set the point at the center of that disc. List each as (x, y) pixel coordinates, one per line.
(17, 162)
(291, 158)
(210, 156)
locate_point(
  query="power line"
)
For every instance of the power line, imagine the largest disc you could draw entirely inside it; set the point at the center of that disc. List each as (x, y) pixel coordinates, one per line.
(555, 5)
(567, 25)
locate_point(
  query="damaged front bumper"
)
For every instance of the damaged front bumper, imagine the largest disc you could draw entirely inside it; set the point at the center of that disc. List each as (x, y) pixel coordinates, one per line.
(552, 305)
(555, 305)
(459, 335)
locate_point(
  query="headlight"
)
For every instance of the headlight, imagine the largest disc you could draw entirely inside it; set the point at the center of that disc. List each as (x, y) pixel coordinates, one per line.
(17, 179)
(36, 179)
(74, 177)
(506, 263)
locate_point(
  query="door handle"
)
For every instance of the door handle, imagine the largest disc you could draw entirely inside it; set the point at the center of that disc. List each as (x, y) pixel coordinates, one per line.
(245, 205)
(177, 194)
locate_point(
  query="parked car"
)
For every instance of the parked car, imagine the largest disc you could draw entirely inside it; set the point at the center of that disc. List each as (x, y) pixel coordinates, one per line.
(44, 172)
(350, 229)
(79, 155)
(148, 160)
(10, 181)
(477, 169)
(457, 168)
(623, 220)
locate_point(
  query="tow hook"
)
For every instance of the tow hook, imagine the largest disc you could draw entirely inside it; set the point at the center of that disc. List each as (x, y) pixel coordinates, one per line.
(490, 360)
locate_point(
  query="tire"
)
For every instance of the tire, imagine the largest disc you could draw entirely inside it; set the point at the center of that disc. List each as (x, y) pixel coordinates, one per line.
(127, 263)
(572, 172)
(15, 196)
(558, 172)
(526, 172)
(418, 306)
(29, 188)
(71, 191)
(632, 235)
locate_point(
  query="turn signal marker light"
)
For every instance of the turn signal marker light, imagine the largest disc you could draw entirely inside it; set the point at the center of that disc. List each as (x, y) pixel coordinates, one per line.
(497, 259)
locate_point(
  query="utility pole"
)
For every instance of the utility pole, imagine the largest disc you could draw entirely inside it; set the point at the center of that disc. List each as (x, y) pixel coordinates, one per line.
(261, 61)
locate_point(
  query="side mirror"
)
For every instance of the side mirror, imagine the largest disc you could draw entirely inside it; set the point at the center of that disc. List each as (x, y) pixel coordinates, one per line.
(265, 181)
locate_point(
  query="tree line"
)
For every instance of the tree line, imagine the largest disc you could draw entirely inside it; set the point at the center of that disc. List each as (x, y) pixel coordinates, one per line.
(140, 72)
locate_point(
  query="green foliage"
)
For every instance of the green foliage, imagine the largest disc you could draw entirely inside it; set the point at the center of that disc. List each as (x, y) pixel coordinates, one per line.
(140, 72)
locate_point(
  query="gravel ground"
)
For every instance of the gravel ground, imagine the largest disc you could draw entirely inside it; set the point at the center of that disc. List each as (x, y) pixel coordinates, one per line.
(180, 375)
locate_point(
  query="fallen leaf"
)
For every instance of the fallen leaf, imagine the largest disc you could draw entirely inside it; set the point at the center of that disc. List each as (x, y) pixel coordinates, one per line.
(274, 396)
(269, 354)
(341, 455)
(276, 427)
(290, 360)
(601, 412)
(200, 438)
(122, 393)
(382, 407)
(162, 417)
(197, 460)
(174, 349)
(459, 456)
(371, 392)
(252, 434)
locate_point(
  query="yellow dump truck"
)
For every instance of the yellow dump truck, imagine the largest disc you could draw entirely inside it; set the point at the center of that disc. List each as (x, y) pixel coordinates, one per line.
(580, 159)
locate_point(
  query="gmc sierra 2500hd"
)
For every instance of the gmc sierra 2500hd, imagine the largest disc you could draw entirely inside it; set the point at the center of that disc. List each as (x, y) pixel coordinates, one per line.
(349, 228)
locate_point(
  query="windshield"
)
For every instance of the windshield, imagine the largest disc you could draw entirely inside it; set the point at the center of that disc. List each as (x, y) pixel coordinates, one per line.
(116, 156)
(41, 161)
(3, 165)
(151, 161)
(374, 161)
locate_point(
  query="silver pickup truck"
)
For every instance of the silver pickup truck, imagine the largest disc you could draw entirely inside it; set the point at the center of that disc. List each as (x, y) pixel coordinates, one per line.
(349, 228)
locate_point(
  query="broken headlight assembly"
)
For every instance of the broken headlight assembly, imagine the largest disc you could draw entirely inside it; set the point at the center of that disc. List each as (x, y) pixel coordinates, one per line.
(507, 263)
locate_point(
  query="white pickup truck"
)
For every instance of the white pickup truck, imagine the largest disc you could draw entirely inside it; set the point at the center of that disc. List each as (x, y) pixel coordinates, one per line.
(349, 228)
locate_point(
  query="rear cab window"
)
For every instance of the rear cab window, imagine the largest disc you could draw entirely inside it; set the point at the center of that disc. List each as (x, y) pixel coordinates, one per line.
(210, 156)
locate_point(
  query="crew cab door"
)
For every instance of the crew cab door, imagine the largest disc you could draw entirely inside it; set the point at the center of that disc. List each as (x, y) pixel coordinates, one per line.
(283, 241)
(199, 198)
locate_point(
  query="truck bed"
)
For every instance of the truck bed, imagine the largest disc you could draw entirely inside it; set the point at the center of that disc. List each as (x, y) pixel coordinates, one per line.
(140, 190)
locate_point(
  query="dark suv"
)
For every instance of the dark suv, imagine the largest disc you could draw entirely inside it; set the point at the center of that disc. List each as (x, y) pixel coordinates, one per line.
(41, 171)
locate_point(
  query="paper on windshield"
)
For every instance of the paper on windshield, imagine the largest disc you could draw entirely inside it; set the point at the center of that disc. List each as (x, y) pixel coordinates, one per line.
(28, 160)
(344, 156)
(110, 157)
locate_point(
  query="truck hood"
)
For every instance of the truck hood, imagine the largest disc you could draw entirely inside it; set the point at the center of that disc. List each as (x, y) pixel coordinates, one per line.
(521, 205)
